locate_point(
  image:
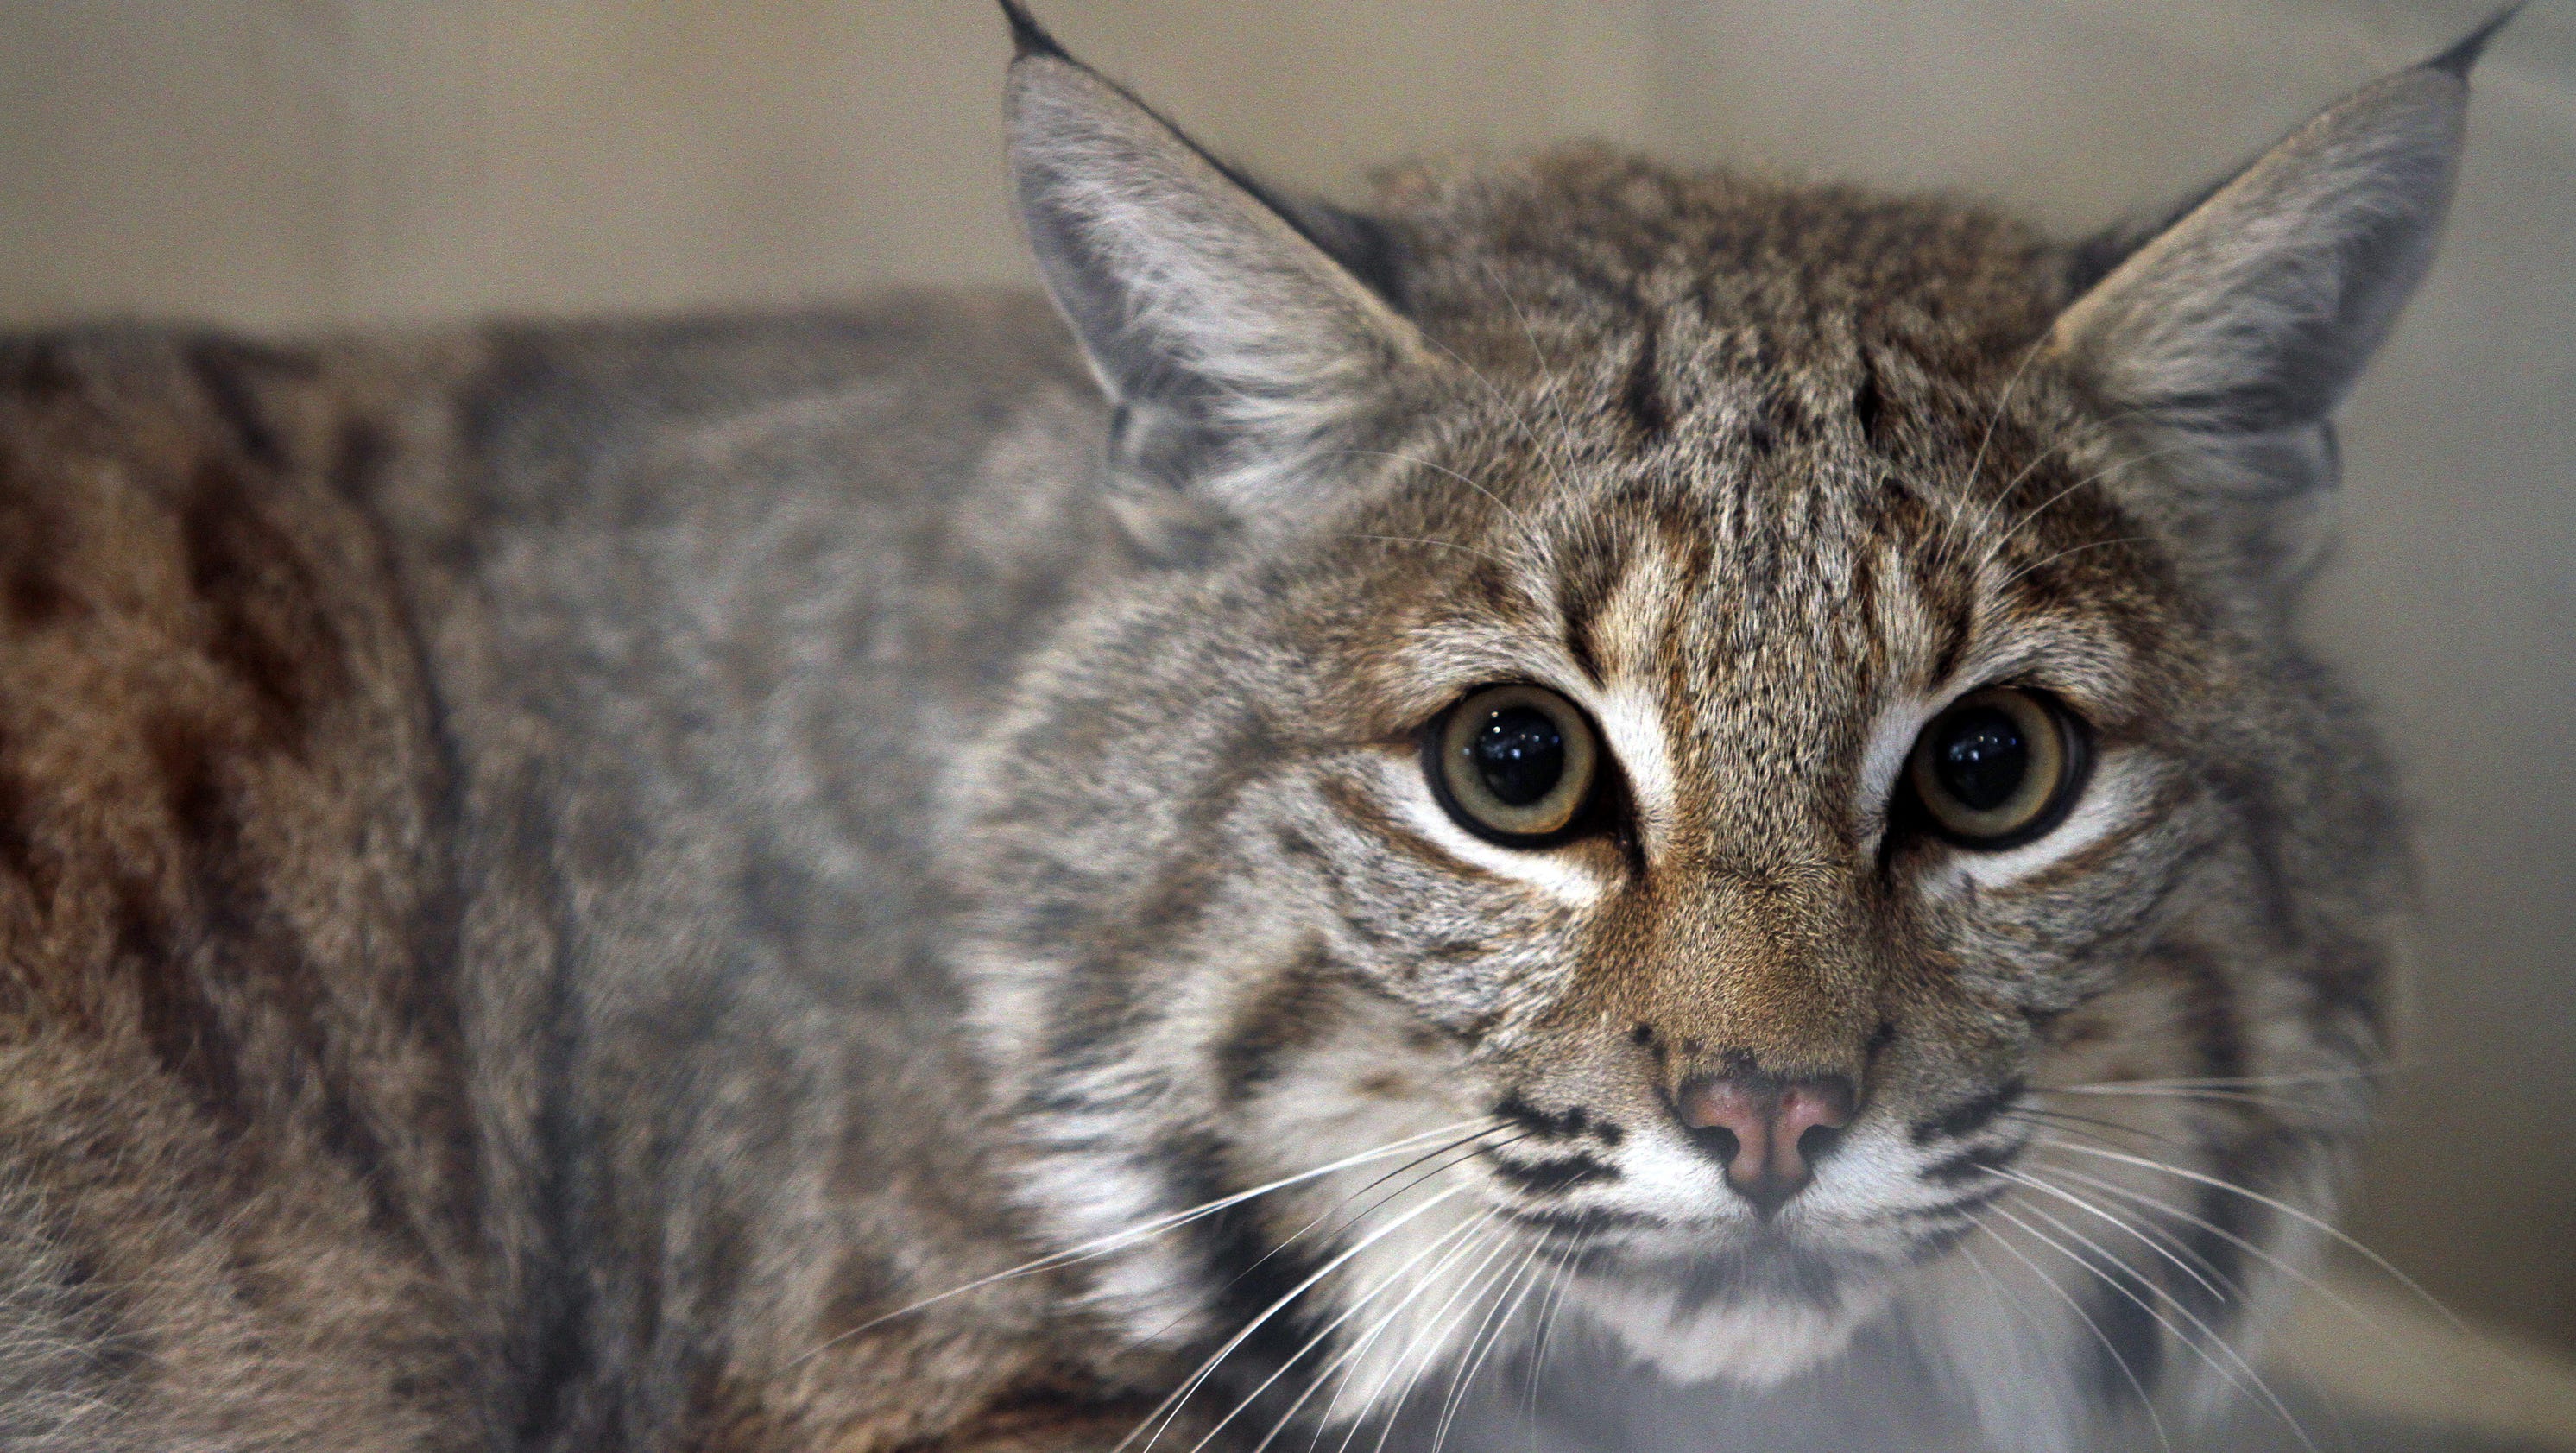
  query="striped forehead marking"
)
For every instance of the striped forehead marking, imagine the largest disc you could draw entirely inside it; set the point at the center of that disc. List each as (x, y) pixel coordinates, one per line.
(1626, 640)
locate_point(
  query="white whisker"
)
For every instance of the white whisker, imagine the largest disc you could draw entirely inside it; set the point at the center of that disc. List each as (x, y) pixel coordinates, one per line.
(2122, 1363)
(1115, 1241)
(2116, 1284)
(1519, 418)
(2310, 1077)
(2221, 1295)
(1329, 1328)
(1491, 1331)
(1547, 370)
(1439, 544)
(1104, 1245)
(1549, 1309)
(1471, 483)
(1429, 1338)
(1463, 1241)
(2003, 401)
(2269, 1258)
(2047, 560)
(1170, 1408)
(1997, 548)
(1355, 1217)
(2305, 1218)
(2215, 1097)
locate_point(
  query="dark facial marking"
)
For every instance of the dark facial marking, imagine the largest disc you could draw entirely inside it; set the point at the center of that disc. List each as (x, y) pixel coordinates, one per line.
(1560, 1125)
(1579, 1227)
(1970, 1164)
(1551, 1177)
(1969, 1115)
(1251, 1272)
(1290, 1013)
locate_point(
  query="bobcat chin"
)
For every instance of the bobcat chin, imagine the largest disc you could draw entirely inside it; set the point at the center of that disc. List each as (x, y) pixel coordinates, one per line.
(1578, 750)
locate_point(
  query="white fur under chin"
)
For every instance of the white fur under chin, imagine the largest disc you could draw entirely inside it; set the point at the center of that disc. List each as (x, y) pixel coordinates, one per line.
(1755, 1343)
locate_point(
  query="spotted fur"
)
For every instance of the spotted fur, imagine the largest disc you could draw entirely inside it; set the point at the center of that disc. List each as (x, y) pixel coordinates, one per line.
(867, 881)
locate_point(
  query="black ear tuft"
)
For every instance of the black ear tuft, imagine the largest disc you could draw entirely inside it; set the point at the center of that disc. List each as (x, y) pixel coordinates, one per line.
(1029, 38)
(2463, 55)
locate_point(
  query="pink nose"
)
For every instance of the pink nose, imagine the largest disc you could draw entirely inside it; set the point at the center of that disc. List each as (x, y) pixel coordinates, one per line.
(1766, 1131)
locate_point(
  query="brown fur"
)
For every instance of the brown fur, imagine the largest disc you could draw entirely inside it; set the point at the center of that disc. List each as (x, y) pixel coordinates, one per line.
(237, 1107)
(660, 886)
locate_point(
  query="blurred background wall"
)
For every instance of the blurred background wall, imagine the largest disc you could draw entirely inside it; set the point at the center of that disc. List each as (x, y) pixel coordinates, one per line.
(299, 164)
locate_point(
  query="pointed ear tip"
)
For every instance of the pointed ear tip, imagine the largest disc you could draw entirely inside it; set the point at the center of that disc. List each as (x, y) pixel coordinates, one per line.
(1028, 37)
(2463, 55)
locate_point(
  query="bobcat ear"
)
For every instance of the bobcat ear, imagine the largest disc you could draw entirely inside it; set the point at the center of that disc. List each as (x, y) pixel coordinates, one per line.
(2256, 308)
(1239, 351)
(2242, 322)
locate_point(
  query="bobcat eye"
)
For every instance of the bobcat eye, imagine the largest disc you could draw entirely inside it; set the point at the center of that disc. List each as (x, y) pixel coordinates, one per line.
(1513, 764)
(1997, 769)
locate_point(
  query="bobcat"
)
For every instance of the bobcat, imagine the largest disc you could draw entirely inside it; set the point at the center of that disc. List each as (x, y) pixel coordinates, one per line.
(1714, 764)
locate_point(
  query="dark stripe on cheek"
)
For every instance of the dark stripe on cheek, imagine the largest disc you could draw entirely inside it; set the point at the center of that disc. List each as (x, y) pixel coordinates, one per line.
(1581, 1226)
(1364, 812)
(1940, 1241)
(1968, 1116)
(1289, 1014)
(1556, 1125)
(1967, 1205)
(2209, 1246)
(2209, 1011)
(1551, 1177)
(1970, 1165)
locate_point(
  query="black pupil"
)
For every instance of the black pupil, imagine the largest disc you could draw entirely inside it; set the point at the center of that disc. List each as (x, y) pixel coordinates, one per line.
(1981, 757)
(1520, 754)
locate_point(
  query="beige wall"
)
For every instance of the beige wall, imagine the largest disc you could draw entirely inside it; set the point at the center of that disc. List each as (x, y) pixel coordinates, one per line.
(297, 163)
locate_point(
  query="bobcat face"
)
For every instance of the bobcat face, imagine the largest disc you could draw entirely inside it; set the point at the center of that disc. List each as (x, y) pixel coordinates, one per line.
(1759, 1030)
(1754, 1034)
(1714, 757)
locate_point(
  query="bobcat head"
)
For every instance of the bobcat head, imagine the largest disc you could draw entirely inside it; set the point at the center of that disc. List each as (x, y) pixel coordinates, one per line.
(1717, 757)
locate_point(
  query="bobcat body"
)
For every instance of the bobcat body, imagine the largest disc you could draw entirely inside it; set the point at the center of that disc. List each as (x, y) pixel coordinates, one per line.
(896, 879)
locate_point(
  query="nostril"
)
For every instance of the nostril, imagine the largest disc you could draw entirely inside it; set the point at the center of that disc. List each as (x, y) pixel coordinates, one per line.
(1817, 1140)
(1722, 1144)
